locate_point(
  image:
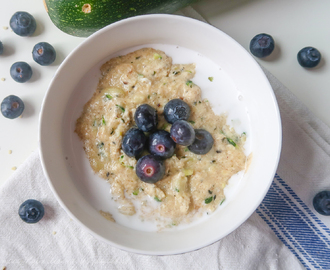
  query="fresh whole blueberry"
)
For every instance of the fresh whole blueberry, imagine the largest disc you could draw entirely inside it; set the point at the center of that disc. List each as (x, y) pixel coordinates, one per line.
(203, 142)
(182, 133)
(321, 202)
(23, 23)
(12, 107)
(134, 142)
(150, 169)
(146, 118)
(43, 53)
(160, 144)
(176, 109)
(309, 57)
(31, 211)
(262, 45)
(1, 48)
(21, 72)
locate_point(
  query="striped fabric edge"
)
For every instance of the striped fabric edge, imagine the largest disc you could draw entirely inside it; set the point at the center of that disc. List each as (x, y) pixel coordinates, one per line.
(305, 235)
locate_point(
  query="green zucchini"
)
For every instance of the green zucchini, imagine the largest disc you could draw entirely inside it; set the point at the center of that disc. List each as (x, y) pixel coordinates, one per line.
(84, 17)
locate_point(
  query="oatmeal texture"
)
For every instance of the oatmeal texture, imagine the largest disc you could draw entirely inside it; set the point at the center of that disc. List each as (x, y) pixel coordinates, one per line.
(192, 182)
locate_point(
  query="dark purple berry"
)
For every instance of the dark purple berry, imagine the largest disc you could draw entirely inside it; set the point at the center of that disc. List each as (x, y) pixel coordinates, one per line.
(309, 57)
(12, 107)
(176, 109)
(262, 45)
(150, 169)
(23, 23)
(182, 133)
(43, 53)
(146, 118)
(321, 202)
(31, 211)
(160, 144)
(203, 142)
(134, 142)
(21, 72)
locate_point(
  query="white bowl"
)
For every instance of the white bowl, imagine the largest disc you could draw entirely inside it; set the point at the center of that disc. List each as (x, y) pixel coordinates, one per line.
(239, 87)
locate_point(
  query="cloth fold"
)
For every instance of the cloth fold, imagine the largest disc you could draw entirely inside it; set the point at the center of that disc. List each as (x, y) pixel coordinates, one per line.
(284, 233)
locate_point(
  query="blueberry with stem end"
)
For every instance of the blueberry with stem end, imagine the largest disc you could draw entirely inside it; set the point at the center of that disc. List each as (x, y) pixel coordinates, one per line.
(12, 107)
(31, 211)
(160, 144)
(44, 53)
(262, 45)
(150, 169)
(21, 72)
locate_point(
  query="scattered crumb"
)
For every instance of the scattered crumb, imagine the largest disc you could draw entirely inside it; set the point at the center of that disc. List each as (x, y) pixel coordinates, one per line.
(107, 215)
(5, 27)
(20, 116)
(54, 232)
(14, 168)
(9, 152)
(4, 268)
(3, 79)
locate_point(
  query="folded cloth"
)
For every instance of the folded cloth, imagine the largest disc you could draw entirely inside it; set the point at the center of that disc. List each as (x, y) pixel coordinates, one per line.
(284, 232)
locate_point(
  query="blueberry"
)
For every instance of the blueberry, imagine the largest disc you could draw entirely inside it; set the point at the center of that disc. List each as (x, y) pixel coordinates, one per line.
(262, 45)
(203, 142)
(134, 142)
(43, 53)
(309, 57)
(150, 169)
(31, 211)
(321, 202)
(182, 133)
(160, 144)
(23, 23)
(1, 48)
(176, 109)
(21, 72)
(146, 118)
(12, 107)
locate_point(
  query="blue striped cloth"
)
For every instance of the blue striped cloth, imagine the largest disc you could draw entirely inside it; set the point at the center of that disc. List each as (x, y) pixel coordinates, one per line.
(303, 171)
(296, 225)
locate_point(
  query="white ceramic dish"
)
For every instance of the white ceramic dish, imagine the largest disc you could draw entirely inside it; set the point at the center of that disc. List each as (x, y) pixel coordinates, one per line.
(240, 88)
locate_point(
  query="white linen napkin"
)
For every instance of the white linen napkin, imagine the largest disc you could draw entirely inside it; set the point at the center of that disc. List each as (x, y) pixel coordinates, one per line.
(284, 233)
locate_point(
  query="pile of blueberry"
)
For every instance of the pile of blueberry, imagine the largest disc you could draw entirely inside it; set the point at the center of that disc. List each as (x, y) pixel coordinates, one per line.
(160, 143)
(263, 45)
(24, 24)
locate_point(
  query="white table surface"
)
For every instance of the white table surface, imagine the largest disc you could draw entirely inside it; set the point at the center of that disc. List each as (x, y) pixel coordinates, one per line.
(293, 24)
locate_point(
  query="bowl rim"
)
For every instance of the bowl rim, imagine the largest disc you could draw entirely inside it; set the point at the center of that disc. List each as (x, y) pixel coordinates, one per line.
(43, 108)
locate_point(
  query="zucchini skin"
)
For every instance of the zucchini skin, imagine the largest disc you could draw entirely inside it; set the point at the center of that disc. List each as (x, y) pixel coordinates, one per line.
(82, 18)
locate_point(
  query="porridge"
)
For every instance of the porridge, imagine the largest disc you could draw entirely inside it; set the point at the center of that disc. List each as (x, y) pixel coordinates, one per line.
(192, 183)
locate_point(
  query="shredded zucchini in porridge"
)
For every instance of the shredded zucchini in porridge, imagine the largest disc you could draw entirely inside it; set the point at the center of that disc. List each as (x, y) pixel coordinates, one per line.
(192, 182)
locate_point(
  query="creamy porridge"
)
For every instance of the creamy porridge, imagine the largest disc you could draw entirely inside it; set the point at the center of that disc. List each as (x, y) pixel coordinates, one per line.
(192, 183)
